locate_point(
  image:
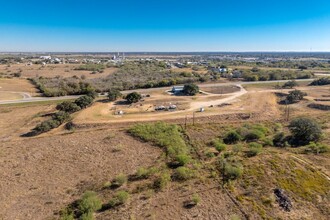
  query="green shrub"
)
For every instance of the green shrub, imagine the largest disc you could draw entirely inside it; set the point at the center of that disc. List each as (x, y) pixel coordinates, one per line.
(233, 172)
(279, 139)
(290, 84)
(232, 137)
(261, 128)
(218, 145)
(119, 198)
(209, 154)
(195, 199)
(46, 126)
(87, 216)
(143, 173)
(66, 214)
(267, 142)
(229, 171)
(164, 135)
(316, 148)
(91, 67)
(69, 126)
(114, 94)
(254, 135)
(68, 106)
(119, 180)
(295, 96)
(162, 181)
(183, 173)
(321, 81)
(254, 149)
(61, 116)
(89, 202)
(182, 159)
(237, 148)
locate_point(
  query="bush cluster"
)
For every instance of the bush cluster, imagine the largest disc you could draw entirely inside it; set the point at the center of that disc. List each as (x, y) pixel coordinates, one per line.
(65, 108)
(256, 74)
(53, 87)
(57, 119)
(164, 135)
(321, 82)
(183, 173)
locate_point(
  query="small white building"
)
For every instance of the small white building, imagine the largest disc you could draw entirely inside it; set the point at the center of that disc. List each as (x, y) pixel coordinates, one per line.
(177, 89)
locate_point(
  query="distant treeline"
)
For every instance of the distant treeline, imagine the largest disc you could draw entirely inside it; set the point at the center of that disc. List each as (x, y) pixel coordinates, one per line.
(256, 74)
(131, 75)
(53, 87)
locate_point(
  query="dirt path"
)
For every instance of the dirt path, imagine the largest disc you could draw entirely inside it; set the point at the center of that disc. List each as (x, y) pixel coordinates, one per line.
(233, 96)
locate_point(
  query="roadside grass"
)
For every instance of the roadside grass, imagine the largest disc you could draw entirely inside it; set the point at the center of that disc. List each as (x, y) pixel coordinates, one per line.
(36, 103)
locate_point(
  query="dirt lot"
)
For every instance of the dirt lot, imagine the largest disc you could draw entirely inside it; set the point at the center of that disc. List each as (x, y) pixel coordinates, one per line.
(41, 175)
(51, 70)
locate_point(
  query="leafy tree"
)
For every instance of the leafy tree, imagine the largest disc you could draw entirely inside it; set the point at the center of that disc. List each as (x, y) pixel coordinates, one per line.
(61, 116)
(305, 130)
(68, 106)
(190, 89)
(84, 101)
(295, 96)
(133, 97)
(114, 94)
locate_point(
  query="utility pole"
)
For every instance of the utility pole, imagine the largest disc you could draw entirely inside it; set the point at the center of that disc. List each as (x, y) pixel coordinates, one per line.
(193, 118)
(185, 123)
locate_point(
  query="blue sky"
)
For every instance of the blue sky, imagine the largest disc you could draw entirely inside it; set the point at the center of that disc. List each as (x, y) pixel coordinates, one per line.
(164, 25)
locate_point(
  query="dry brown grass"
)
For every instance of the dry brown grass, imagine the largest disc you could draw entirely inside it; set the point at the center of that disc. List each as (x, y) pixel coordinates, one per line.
(52, 70)
(42, 175)
(9, 96)
(16, 85)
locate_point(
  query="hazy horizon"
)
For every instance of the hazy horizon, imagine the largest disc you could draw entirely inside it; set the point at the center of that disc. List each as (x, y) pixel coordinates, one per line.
(165, 26)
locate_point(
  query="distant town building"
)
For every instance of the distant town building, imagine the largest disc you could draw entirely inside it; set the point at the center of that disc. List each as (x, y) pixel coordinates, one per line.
(45, 57)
